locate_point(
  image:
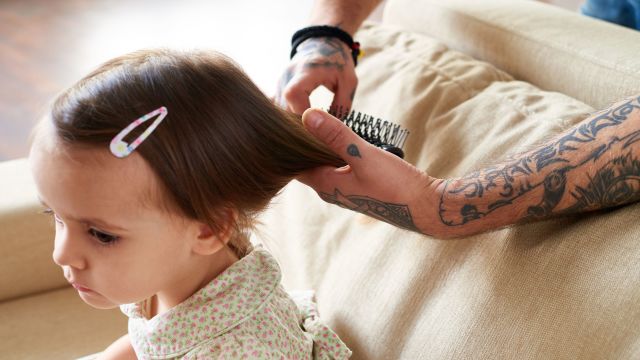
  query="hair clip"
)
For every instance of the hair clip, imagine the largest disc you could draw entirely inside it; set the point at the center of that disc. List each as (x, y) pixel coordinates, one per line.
(120, 148)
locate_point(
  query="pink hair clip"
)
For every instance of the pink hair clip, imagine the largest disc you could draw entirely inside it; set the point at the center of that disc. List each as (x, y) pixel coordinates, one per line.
(121, 149)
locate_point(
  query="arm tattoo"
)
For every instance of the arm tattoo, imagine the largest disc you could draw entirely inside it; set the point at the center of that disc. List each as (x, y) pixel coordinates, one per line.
(394, 214)
(592, 166)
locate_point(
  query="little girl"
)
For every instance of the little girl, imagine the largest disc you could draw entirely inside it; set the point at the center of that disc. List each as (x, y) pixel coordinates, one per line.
(154, 167)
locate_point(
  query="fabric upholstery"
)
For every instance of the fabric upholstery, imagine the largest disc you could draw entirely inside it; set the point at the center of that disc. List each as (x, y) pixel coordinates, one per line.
(561, 289)
(56, 325)
(554, 49)
(24, 231)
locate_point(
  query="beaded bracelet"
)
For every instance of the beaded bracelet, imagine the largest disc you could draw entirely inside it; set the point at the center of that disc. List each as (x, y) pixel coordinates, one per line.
(325, 31)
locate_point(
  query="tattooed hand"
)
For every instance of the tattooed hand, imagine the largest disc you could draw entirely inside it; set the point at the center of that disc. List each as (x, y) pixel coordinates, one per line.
(375, 182)
(593, 165)
(318, 61)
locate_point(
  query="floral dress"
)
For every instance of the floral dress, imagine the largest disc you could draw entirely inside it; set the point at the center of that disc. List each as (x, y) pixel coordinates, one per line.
(244, 313)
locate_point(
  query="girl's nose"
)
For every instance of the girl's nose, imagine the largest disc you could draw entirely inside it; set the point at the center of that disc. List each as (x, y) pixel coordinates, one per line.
(67, 251)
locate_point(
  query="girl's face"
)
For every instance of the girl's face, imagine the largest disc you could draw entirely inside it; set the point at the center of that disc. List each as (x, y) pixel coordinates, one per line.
(113, 240)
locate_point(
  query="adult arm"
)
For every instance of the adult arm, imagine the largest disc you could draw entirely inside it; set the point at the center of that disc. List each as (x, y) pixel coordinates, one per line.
(121, 349)
(323, 60)
(593, 165)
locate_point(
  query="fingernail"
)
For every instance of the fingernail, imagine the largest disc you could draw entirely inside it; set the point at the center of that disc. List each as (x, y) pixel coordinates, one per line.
(314, 119)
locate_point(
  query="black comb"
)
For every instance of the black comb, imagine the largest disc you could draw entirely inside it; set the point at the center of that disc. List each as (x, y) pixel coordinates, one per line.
(381, 133)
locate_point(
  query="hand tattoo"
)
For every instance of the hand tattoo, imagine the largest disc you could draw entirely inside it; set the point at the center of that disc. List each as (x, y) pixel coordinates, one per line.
(394, 214)
(323, 52)
(352, 150)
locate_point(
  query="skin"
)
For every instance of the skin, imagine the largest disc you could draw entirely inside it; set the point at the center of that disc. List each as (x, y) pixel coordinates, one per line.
(593, 165)
(325, 61)
(113, 241)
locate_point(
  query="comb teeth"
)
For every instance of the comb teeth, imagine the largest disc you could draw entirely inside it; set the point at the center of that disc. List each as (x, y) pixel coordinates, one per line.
(381, 133)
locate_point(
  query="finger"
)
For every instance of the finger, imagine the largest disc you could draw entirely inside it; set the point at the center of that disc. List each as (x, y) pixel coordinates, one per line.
(327, 178)
(297, 93)
(343, 96)
(337, 136)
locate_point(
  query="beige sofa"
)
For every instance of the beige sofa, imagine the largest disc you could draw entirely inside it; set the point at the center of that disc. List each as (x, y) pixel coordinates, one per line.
(559, 289)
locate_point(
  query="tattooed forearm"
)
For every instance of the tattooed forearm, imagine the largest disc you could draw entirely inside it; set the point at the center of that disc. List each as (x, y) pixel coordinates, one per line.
(394, 214)
(593, 165)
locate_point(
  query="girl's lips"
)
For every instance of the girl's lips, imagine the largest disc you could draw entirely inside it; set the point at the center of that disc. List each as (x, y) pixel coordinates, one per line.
(81, 288)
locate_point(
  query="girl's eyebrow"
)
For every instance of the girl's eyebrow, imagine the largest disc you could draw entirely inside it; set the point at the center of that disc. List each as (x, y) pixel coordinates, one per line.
(95, 221)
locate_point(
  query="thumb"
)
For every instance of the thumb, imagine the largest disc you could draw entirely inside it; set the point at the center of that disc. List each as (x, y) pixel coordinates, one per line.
(336, 135)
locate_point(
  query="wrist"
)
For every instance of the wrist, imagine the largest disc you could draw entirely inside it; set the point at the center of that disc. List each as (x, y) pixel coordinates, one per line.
(426, 209)
(325, 31)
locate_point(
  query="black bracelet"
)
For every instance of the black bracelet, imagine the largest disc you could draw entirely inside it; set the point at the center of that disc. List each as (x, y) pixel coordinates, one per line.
(325, 31)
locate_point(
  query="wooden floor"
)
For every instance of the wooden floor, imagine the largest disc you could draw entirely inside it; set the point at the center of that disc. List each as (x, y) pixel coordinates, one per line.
(45, 45)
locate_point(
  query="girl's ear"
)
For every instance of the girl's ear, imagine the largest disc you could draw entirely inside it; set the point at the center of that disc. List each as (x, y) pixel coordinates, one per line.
(208, 241)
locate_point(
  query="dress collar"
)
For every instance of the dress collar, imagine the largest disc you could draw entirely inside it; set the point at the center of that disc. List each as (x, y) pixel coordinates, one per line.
(222, 304)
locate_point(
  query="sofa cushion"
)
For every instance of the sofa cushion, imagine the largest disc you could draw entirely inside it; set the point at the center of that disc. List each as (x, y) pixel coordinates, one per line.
(534, 42)
(563, 288)
(56, 325)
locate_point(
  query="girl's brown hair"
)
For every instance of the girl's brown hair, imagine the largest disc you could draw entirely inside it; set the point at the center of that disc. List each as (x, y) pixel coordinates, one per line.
(223, 146)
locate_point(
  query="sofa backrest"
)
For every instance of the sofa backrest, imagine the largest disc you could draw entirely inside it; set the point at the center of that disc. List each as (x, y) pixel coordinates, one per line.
(547, 46)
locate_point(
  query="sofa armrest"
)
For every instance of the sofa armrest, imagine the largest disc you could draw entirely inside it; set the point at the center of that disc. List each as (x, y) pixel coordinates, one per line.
(26, 236)
(553, 48)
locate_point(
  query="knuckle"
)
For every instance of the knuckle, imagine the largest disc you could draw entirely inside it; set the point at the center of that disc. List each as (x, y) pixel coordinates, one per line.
(290, 92)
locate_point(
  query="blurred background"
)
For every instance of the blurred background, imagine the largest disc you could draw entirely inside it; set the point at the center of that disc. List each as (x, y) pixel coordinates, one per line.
(47, 45)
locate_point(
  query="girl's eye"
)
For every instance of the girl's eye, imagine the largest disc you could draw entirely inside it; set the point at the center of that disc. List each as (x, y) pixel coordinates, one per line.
(104, 238)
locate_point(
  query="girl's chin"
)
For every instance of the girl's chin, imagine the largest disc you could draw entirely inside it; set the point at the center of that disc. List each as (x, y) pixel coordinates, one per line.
(97, 301)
